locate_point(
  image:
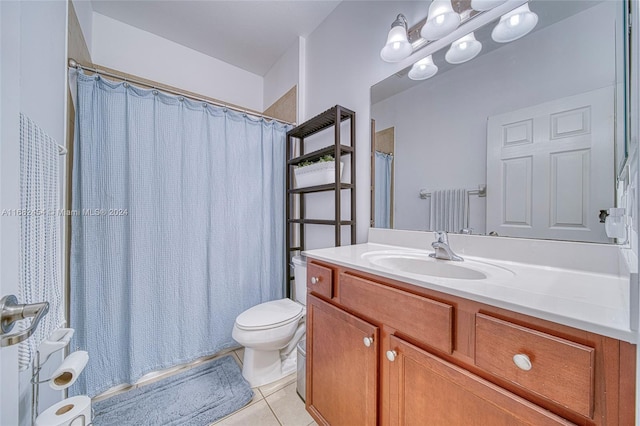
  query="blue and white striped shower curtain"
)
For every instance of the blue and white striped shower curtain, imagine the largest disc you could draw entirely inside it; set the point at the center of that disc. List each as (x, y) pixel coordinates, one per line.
(178, 227)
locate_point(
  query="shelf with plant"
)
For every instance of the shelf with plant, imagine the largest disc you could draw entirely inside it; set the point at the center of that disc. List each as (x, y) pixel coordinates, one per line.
(315, 155)
(318, 172)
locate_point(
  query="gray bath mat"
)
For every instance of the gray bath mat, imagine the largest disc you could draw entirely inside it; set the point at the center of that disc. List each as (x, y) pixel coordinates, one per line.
(196, 397)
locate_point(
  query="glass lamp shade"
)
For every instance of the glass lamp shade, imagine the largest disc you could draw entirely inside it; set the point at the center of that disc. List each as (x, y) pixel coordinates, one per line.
(423, 69)
(464, 49)
(398, 46)
(515, 24)
(482, 5)
(441, 20)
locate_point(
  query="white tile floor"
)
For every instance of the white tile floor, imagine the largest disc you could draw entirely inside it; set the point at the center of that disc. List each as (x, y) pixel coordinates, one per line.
(275, 404)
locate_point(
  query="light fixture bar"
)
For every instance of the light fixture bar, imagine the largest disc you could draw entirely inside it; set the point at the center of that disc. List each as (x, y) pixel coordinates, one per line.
(423, 48)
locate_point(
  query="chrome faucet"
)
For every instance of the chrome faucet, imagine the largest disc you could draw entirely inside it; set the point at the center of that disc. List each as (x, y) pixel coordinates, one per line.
(442, 249)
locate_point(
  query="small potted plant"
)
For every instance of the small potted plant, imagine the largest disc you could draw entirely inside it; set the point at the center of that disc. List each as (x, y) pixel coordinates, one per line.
(320, 172)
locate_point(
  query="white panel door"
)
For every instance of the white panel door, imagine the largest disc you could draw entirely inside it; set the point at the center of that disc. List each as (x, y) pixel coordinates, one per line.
(9, 196)
(550, 168)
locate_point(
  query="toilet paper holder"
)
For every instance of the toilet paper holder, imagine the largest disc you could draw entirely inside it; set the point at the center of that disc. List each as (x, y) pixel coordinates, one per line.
(58, 340)
(84, 419)
(67, 412)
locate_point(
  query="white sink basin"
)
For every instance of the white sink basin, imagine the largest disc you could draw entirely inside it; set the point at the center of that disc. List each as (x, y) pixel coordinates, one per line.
(422, 264)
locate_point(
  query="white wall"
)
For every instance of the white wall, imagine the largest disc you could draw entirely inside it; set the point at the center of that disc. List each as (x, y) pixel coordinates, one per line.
(131, 50)
(634, 206)
(282, 76)
(632, 193)
(342, 62)
(440, 125)
(84, 12)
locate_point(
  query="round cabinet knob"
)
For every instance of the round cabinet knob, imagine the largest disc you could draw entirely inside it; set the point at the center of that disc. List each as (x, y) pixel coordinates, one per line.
(315, 280)
(391, 355)
(368, 341)
(522, 361)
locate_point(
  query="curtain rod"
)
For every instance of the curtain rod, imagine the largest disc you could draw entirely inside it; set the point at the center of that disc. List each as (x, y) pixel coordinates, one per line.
(75, 64)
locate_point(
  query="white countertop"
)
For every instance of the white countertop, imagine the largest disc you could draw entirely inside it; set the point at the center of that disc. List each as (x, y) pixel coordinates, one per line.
(593, 301)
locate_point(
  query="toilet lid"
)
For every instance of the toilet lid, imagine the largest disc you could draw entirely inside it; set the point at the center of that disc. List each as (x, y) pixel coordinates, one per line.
(269, 314)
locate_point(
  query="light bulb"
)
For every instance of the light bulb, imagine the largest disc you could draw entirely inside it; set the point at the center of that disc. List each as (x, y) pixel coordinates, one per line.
(515, 24)
(397, 47)
(464, 49)
(441, 20)
(423, 69)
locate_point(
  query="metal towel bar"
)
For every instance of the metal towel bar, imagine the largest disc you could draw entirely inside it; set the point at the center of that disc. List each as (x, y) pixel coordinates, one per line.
(480, 192)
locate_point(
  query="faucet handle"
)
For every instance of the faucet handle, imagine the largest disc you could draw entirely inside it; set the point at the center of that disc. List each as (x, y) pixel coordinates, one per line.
(441, 237)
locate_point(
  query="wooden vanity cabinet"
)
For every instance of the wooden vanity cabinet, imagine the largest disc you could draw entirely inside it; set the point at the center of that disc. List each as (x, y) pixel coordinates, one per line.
(425, 389)
(384, 352)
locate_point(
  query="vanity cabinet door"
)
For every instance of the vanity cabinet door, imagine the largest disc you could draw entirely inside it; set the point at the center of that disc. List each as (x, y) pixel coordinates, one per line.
(425, 389)
(342, 366)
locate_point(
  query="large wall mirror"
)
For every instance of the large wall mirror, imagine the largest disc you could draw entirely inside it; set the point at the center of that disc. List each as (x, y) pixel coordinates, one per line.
(525, 140)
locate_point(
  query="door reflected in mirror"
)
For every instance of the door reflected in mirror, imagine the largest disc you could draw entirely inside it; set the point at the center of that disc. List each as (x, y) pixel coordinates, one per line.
(539, 123)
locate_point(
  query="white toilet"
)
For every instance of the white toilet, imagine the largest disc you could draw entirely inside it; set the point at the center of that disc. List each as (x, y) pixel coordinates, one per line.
(270, 332)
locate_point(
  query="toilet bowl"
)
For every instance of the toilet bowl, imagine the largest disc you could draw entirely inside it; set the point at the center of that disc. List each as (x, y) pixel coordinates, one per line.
(270, 332)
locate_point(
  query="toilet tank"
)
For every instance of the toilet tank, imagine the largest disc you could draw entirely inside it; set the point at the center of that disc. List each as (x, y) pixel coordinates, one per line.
(300, 276)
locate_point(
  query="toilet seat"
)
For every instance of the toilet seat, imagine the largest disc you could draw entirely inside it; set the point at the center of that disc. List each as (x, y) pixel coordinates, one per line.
(268, 315)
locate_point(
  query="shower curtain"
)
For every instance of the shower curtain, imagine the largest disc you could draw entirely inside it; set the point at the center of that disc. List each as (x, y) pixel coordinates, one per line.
(382, 194)
(177, 227)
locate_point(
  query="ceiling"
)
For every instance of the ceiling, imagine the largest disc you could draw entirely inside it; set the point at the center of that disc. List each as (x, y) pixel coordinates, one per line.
(251, 35)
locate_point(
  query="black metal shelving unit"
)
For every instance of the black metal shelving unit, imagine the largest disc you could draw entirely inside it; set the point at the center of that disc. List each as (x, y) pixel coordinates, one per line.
(330, 119)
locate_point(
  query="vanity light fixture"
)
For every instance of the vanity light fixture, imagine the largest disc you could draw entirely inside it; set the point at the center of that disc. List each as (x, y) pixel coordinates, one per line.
(482, 5)
(423, 69)
(397, 47)
(444, 25)
(464, 49)
(441, 20)
(515, 24)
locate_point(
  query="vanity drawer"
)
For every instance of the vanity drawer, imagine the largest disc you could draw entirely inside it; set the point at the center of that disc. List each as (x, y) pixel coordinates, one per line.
(560, 370)
(320, 280)
(423, 319)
